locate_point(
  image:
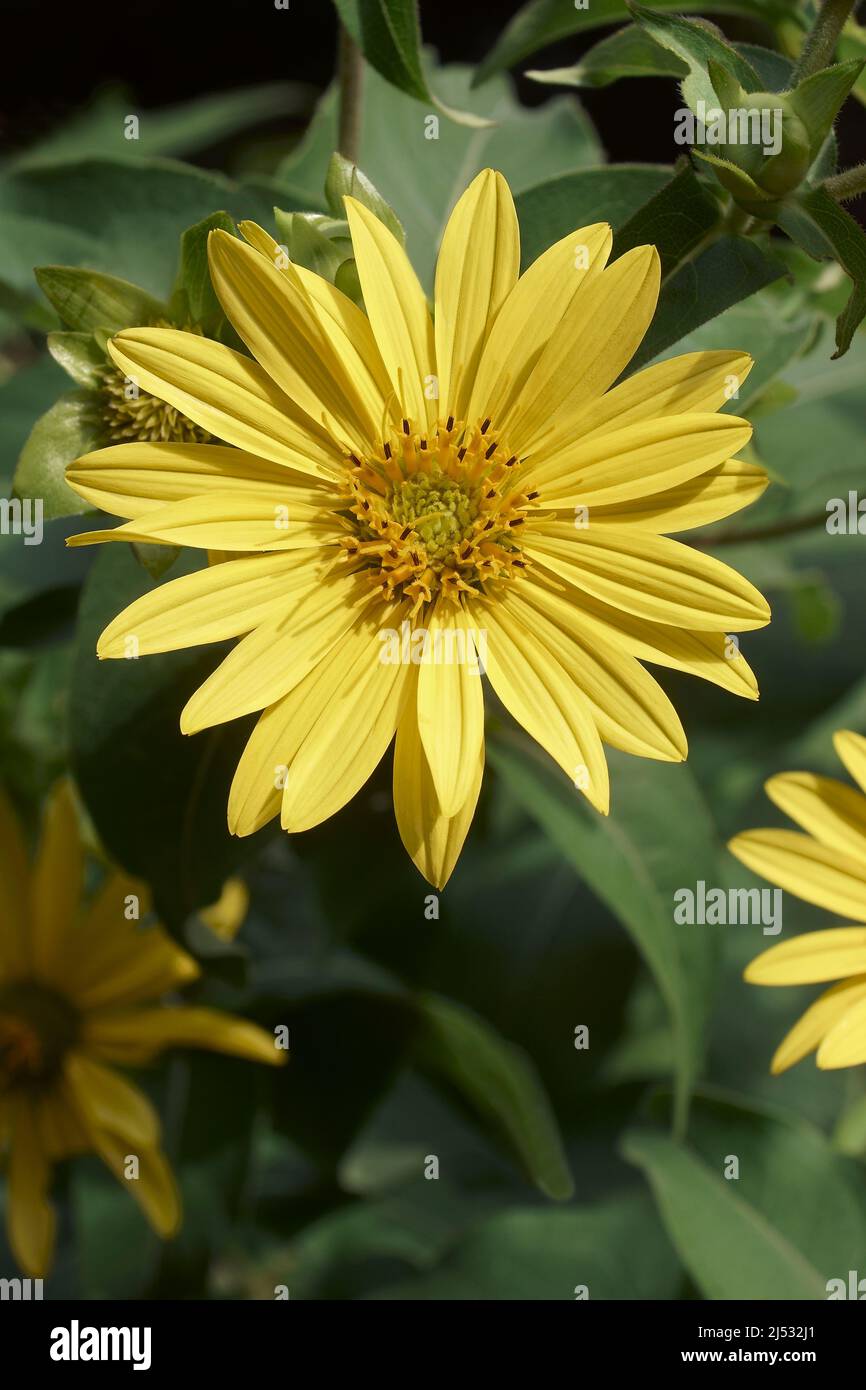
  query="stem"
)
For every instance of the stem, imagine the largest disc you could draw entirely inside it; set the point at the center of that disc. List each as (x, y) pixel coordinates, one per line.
(350, 68)
(764, 533)
(820, 45)
(847, 185)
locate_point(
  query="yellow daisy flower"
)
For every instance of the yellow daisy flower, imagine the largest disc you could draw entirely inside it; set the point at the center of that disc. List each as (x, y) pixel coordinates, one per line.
(826, 866)
(414, 499)
(79, 991)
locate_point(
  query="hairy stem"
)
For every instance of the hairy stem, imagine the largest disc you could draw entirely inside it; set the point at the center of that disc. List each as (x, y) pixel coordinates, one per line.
(848, 184)
(820, 45)
(350, 68)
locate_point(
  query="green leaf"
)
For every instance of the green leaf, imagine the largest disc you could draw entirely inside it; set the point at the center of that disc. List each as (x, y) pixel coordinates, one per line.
(86, 299)
(675, 220)
(549, 211)
(658, 837)
(499, 1082)
(388, 34)
(723, 275)
(124, 216)
(614, 1249)
(630, 52)
(68, 429)
(345, 178)
(194, 297)
(80, 356)
(827, 231)
(697, 46)
(421, 168)
(818, 99)
(755, 1236)
(100, 130)
(542, 22)
(157, 800)
(307, 246)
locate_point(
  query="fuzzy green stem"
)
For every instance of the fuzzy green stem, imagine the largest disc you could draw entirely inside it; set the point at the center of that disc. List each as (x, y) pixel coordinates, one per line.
(350, 69)
(820, 46)
(848, 184)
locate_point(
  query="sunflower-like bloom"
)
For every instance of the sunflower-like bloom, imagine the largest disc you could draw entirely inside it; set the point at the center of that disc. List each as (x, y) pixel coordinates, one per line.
(414, 501)
(79, 991)
(826, 866)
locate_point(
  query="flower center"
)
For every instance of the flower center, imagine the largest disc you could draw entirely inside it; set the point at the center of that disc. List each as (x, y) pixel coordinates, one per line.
(37, 1028)
(132, 415)
(437, 513)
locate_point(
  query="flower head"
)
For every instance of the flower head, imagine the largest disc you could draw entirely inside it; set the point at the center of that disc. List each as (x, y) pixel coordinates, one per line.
(412, 500)
(825, 866)
(80, 991)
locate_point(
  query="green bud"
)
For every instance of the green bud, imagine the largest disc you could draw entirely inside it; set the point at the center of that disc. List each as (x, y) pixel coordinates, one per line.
(779, 160)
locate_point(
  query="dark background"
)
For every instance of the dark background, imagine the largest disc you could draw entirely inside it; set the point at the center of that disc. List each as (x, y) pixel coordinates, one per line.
(167, 51)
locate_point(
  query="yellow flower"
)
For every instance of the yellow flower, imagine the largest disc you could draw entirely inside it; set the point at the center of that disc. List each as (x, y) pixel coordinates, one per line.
(78, 992)
(826, 866)
(411, 501)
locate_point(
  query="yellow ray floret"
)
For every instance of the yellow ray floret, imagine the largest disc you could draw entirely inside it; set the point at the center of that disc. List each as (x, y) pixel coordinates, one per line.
(826, 866)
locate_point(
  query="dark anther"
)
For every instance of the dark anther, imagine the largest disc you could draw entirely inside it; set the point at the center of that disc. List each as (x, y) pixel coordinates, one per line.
(387, 448)
(449, 423)
(406, 532)
(485, 427)
(491, 451)
(405, 426)
(461, 453)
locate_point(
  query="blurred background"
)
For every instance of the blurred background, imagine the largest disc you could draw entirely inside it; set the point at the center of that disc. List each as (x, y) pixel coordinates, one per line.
(445, 1129)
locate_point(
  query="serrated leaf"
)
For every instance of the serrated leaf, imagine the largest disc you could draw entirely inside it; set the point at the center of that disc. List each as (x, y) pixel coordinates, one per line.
(345, 179)
(628, 53)
(818, 99)
(727, 272)
(388, 35)
(697, 46)
(194, 297)
(542, 22)
(499, 1082)
(675, 220)
(826, 231)
(87, 299)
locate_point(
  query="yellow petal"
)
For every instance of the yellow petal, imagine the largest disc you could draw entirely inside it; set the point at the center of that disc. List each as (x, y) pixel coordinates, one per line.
(246, 520)
(697, 502)
(276, 656)
(829, 810)
(108, 1103)
(154, 1189)
(227, 394)
(851, 749)
(476, 270)
(282, 329)
(14, 895)
(636, 461)
(118, 961)
(801, 866)
(650, 576)
(212, 604)
(451, 704)
(57, 882)
(351, 730)
(710, 655)
(343, 323)
(695, 381)
(130, 480)
(600, 331)
(811, 958)
(226, 916)
(398, 313)
(817, 1021)
(845, 1044)
(30, 1218)
(531, 314)
(432, 840)
(628, 707)
(541, 695)
(136, 1036)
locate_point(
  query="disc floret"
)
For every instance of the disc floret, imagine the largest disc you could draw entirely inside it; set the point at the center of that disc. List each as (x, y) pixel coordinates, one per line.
(437, 512)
